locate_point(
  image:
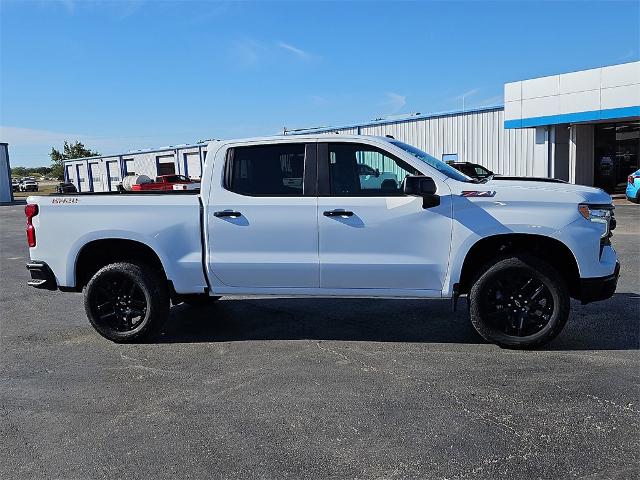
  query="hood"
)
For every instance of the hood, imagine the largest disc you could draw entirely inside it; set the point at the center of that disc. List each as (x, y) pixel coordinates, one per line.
(587, 194)
(536, 191)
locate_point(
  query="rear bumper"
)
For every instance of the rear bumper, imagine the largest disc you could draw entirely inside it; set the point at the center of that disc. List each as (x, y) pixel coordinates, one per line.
(41, 276)
(599, 288)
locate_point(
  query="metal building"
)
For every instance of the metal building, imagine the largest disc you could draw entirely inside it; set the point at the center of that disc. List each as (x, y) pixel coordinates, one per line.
(590, 120)
(476, 136)
(583, 127)
(6, 194)
(104, 173)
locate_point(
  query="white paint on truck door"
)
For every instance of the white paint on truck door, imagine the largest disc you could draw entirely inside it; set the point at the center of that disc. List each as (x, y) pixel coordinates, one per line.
(385, 239)
(263, 232)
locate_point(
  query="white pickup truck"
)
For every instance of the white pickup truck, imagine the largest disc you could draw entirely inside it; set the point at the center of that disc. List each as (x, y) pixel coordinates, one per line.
(288, 216)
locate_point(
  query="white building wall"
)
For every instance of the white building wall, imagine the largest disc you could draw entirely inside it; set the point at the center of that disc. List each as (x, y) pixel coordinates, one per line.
(586, 95)
(475, 136)
(114, 167)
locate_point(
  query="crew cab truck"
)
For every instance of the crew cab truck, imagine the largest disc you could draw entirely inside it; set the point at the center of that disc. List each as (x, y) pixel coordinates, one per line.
(289, 216)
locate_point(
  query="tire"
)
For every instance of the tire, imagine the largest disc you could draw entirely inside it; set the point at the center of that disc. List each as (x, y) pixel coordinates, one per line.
(198, 300)
(506, 292)
(126, 302)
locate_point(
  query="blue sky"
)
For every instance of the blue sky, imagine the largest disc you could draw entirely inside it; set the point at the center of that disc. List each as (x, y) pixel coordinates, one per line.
(133, 74)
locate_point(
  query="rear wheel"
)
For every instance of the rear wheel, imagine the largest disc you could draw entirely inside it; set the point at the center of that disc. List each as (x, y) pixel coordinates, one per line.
(126, 302)
(519, 302)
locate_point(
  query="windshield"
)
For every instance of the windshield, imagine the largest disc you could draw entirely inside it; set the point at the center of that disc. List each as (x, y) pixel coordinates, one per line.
(439, 165)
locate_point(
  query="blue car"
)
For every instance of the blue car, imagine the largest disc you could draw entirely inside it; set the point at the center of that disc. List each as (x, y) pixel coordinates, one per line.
(633, 185)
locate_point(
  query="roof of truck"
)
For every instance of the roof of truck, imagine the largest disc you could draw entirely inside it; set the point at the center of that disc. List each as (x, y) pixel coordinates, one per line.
(305, 136)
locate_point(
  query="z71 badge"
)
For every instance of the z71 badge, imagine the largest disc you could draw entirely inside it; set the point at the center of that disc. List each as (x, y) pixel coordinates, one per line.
(476, 193)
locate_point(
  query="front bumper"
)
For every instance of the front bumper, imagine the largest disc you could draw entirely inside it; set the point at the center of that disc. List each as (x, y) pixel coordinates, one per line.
(599, 288)
(41, 276)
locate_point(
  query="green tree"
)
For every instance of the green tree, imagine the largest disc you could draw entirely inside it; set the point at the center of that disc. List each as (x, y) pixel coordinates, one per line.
(19, 172)
(69, 151)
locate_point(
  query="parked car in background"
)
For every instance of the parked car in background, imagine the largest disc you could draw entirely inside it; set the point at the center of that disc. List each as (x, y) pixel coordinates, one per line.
(479, 172)
(15, 185)
(28, 185)
(372, 178)
(66, 188)
(472, 170)
(633, 185)
(165, 182)
(519, 250)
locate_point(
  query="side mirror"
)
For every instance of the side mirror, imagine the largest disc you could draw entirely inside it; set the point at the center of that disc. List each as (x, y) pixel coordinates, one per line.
(377, 174)
(422, 186)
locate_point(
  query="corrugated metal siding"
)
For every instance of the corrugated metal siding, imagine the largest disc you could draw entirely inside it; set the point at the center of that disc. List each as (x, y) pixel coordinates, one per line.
(478, 137)
(144, 163)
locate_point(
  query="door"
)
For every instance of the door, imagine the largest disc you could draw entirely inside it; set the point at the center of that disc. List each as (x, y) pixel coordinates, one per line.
(113, 177)
(262, 219)
(166, 165)
(95, 179)
(70, 177)
(370, 234)
(192, 165)
(81, 171)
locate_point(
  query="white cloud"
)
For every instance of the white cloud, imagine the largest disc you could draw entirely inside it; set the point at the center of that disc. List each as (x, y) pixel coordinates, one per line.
(466, 94)
(247, 53)
(319, 100)
(19, 137)
(488, 102)
(295, 50)
(394, 102)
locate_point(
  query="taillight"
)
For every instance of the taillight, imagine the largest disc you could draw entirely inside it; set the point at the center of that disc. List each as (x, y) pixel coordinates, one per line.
(632, 178)
(31, 210)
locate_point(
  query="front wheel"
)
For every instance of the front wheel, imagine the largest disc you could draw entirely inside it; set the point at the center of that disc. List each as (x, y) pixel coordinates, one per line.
(519, 302)
(126, 302)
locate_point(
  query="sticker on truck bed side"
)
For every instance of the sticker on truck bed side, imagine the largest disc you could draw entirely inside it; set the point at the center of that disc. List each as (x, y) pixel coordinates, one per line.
(476, 193)
(65, 200)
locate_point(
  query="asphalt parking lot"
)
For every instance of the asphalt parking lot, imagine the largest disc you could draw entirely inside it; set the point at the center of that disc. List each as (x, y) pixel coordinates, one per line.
(307, 388)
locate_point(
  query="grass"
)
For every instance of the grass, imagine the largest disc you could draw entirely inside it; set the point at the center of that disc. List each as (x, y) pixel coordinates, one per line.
(43, 189)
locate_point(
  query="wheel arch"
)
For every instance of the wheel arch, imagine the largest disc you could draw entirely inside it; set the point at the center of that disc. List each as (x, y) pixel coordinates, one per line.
(101, 252)
(549, 249)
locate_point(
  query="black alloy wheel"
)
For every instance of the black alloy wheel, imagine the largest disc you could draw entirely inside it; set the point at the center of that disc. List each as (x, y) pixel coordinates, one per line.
(118, 303)
(127, 302)
(519, 302)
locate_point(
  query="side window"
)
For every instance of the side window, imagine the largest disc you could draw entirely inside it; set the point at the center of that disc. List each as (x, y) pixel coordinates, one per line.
(266, 170)
(481, 171)
(362, 170)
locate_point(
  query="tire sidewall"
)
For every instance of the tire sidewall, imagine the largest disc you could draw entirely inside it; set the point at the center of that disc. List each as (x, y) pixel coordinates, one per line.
(155, 296)
(540, 270)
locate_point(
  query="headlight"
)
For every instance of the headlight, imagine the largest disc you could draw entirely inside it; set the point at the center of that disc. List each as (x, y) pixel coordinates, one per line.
(598, 214)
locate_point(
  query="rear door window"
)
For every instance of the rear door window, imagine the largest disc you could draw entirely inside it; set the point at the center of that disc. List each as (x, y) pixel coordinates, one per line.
(266, 170)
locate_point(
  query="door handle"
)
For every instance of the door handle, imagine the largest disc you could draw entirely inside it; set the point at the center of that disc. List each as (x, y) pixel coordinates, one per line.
(227, 213)
(337, 213)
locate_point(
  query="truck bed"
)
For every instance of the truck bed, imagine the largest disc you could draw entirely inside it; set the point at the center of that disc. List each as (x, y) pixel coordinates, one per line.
(167, 222)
